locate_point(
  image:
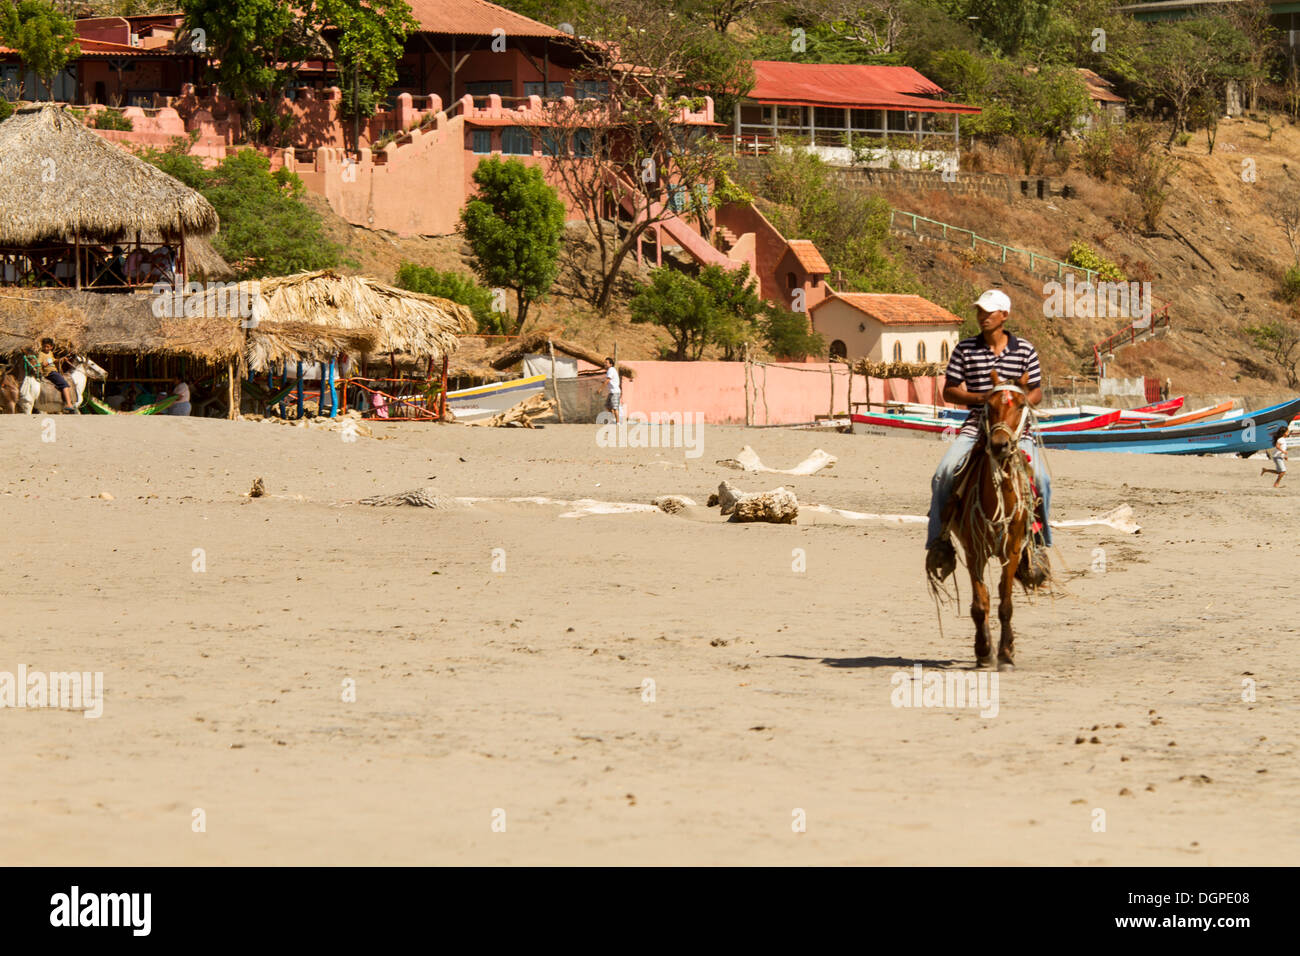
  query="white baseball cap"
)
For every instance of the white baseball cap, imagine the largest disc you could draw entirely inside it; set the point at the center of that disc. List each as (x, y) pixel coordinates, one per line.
(994, 300)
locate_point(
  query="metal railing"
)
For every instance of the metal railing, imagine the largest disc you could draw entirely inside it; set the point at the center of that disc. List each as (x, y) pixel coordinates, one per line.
(1035, 259)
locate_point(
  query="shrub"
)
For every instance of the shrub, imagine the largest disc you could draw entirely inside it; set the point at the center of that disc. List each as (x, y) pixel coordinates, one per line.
(1085, 257)
(1291, 284)
(1182, 139)
(789, 335)
(112, 119)
(1097, 151)
(454, 286)
(6, 110)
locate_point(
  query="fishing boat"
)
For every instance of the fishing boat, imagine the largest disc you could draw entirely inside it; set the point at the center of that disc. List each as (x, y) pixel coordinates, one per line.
(922, 423)
(484, 401)
(1241, 435)
(1107, 418)
(1210, 411)
(866, 423)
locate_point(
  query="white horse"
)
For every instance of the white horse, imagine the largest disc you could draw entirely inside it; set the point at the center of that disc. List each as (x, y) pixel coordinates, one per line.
(42, 396)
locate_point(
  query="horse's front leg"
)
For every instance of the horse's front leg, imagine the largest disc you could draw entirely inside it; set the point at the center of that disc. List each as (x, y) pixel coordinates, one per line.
(979, 612)
(1007, 638)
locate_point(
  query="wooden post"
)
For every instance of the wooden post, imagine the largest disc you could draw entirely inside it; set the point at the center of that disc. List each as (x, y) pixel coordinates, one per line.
(184, 260)
(848, 402)
(442, 395)
(555, 383)
(343, 397)
(300, 400)
(830, 367)
(232, 390)
(744, 352)
(76, 252)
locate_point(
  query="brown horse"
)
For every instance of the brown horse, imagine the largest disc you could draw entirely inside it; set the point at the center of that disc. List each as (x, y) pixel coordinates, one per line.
(993, 511)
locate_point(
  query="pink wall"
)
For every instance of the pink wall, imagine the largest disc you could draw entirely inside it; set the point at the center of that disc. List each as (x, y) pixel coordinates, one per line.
(784, 394)
(159, 128)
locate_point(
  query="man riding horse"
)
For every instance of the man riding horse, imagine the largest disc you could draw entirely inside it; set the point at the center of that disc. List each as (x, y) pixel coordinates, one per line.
(969, 381)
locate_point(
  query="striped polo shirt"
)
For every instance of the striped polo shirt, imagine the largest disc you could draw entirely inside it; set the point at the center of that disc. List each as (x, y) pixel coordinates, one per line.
(972, 363)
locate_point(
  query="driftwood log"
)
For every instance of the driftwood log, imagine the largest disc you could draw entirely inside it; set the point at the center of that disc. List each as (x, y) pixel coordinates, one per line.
(522, 415)
(776, 507)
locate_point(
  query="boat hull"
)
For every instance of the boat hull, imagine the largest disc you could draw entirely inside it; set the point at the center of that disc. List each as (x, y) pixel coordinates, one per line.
(484, 401)
(1250, 433)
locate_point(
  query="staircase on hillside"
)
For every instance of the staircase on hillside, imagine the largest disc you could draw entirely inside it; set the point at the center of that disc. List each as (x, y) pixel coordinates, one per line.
(1154, 326)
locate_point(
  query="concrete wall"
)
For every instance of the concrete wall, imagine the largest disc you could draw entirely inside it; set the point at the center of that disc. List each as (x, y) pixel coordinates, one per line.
(782, 394)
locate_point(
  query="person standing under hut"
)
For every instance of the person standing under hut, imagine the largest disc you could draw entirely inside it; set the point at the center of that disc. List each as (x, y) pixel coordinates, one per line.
(50, 370)
(969, 381)
(182, 391)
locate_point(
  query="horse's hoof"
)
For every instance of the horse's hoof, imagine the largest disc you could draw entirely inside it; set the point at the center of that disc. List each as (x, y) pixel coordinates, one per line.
(983, 662)
(1006, 666)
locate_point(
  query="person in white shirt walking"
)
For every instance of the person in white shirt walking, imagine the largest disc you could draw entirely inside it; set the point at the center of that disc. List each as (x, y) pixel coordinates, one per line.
(614, 389)
(1278, 454)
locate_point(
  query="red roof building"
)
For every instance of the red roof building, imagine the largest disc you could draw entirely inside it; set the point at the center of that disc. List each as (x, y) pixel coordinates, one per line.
(885, 328)
(827, 105)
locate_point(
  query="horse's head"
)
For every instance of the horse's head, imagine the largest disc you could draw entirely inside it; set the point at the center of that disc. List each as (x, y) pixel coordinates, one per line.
(88, 366)
(1006, 413)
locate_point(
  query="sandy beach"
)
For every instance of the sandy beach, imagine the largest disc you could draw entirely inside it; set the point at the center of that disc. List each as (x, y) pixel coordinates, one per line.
(228, 630)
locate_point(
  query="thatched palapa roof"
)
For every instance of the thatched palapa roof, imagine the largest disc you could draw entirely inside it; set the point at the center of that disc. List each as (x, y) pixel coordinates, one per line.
(307, 317)
(58, 179)
(381, 318)
(113, 325)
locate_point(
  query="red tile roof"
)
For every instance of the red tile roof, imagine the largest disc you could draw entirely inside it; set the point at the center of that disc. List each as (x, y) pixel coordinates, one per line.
(476, 18)
(808, 256)
(1099, 88)
(845, 84)
(893, 309)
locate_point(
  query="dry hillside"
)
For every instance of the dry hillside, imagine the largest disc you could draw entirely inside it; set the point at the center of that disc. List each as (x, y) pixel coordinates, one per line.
(1217, 259)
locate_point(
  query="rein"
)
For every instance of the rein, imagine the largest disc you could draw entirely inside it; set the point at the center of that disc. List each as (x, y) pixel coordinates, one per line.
(989, 532)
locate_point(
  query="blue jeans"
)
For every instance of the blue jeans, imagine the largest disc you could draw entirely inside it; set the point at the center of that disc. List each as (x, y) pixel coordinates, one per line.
(944, 476)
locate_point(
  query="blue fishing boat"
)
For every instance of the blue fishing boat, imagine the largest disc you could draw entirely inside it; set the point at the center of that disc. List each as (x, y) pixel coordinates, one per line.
(1242, 435)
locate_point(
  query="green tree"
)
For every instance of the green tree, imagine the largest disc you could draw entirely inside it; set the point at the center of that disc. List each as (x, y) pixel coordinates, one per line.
(738, 307)
(370, 42)
(849, 227)
(514, 224)
(1032, 106)
(266, 228)
(454, 286)
(681, 305)
(1008, 26)
(258, 46)
(789, 335)
(1178, 62)
(44, 38)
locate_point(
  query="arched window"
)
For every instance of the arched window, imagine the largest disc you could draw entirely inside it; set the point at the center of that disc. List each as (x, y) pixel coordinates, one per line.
(839, 349)
(920, 351)
(943, 352)
(898, 351)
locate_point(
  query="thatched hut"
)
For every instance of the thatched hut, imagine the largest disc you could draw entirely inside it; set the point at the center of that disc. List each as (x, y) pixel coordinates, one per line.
(64, 190)
(423, 326)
